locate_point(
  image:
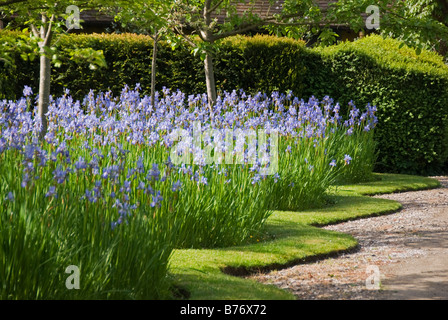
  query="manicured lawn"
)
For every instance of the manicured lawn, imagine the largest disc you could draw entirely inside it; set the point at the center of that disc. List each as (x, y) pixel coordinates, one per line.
(288, 238)
(391, 183)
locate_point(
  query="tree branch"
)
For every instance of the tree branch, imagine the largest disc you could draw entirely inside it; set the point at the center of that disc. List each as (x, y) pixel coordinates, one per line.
(237, 31)
(216, 5)
(207, 13)
(190, 42)
(47, 38)
(34, 30)
(207, 5)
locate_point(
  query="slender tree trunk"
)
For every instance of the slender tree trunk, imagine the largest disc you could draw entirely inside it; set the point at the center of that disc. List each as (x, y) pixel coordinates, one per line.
(44, 91)
(210, 79)
(45, 72)
(206, 35)
(153, 68)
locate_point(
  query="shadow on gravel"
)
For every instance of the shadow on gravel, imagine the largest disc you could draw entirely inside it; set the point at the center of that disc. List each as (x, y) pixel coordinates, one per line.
(418, 285)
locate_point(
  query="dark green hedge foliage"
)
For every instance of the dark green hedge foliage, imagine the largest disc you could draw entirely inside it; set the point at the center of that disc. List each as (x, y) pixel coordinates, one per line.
(410, 91)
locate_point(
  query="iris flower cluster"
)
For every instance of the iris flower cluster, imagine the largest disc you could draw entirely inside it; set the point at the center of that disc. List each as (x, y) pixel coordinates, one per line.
(103, 128)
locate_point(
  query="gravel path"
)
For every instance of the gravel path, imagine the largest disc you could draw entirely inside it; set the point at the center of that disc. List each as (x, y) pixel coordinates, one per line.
(402, 256)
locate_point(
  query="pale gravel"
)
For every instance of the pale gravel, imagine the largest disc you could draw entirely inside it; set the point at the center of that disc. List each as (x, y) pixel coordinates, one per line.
(384, 241)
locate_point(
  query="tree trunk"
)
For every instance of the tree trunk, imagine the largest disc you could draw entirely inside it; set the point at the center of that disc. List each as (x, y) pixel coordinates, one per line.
(44, 91)
(210, 79)
(153, 68)
(46, 35)
(45, 74)
(207, 36)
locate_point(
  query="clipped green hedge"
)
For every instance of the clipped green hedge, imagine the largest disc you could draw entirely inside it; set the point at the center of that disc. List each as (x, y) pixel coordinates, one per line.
(262, 63)
(410, 91)
(14, 76)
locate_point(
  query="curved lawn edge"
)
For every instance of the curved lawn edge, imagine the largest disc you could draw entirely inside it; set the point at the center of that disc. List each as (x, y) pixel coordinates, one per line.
(295, 237)
(389, 183)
